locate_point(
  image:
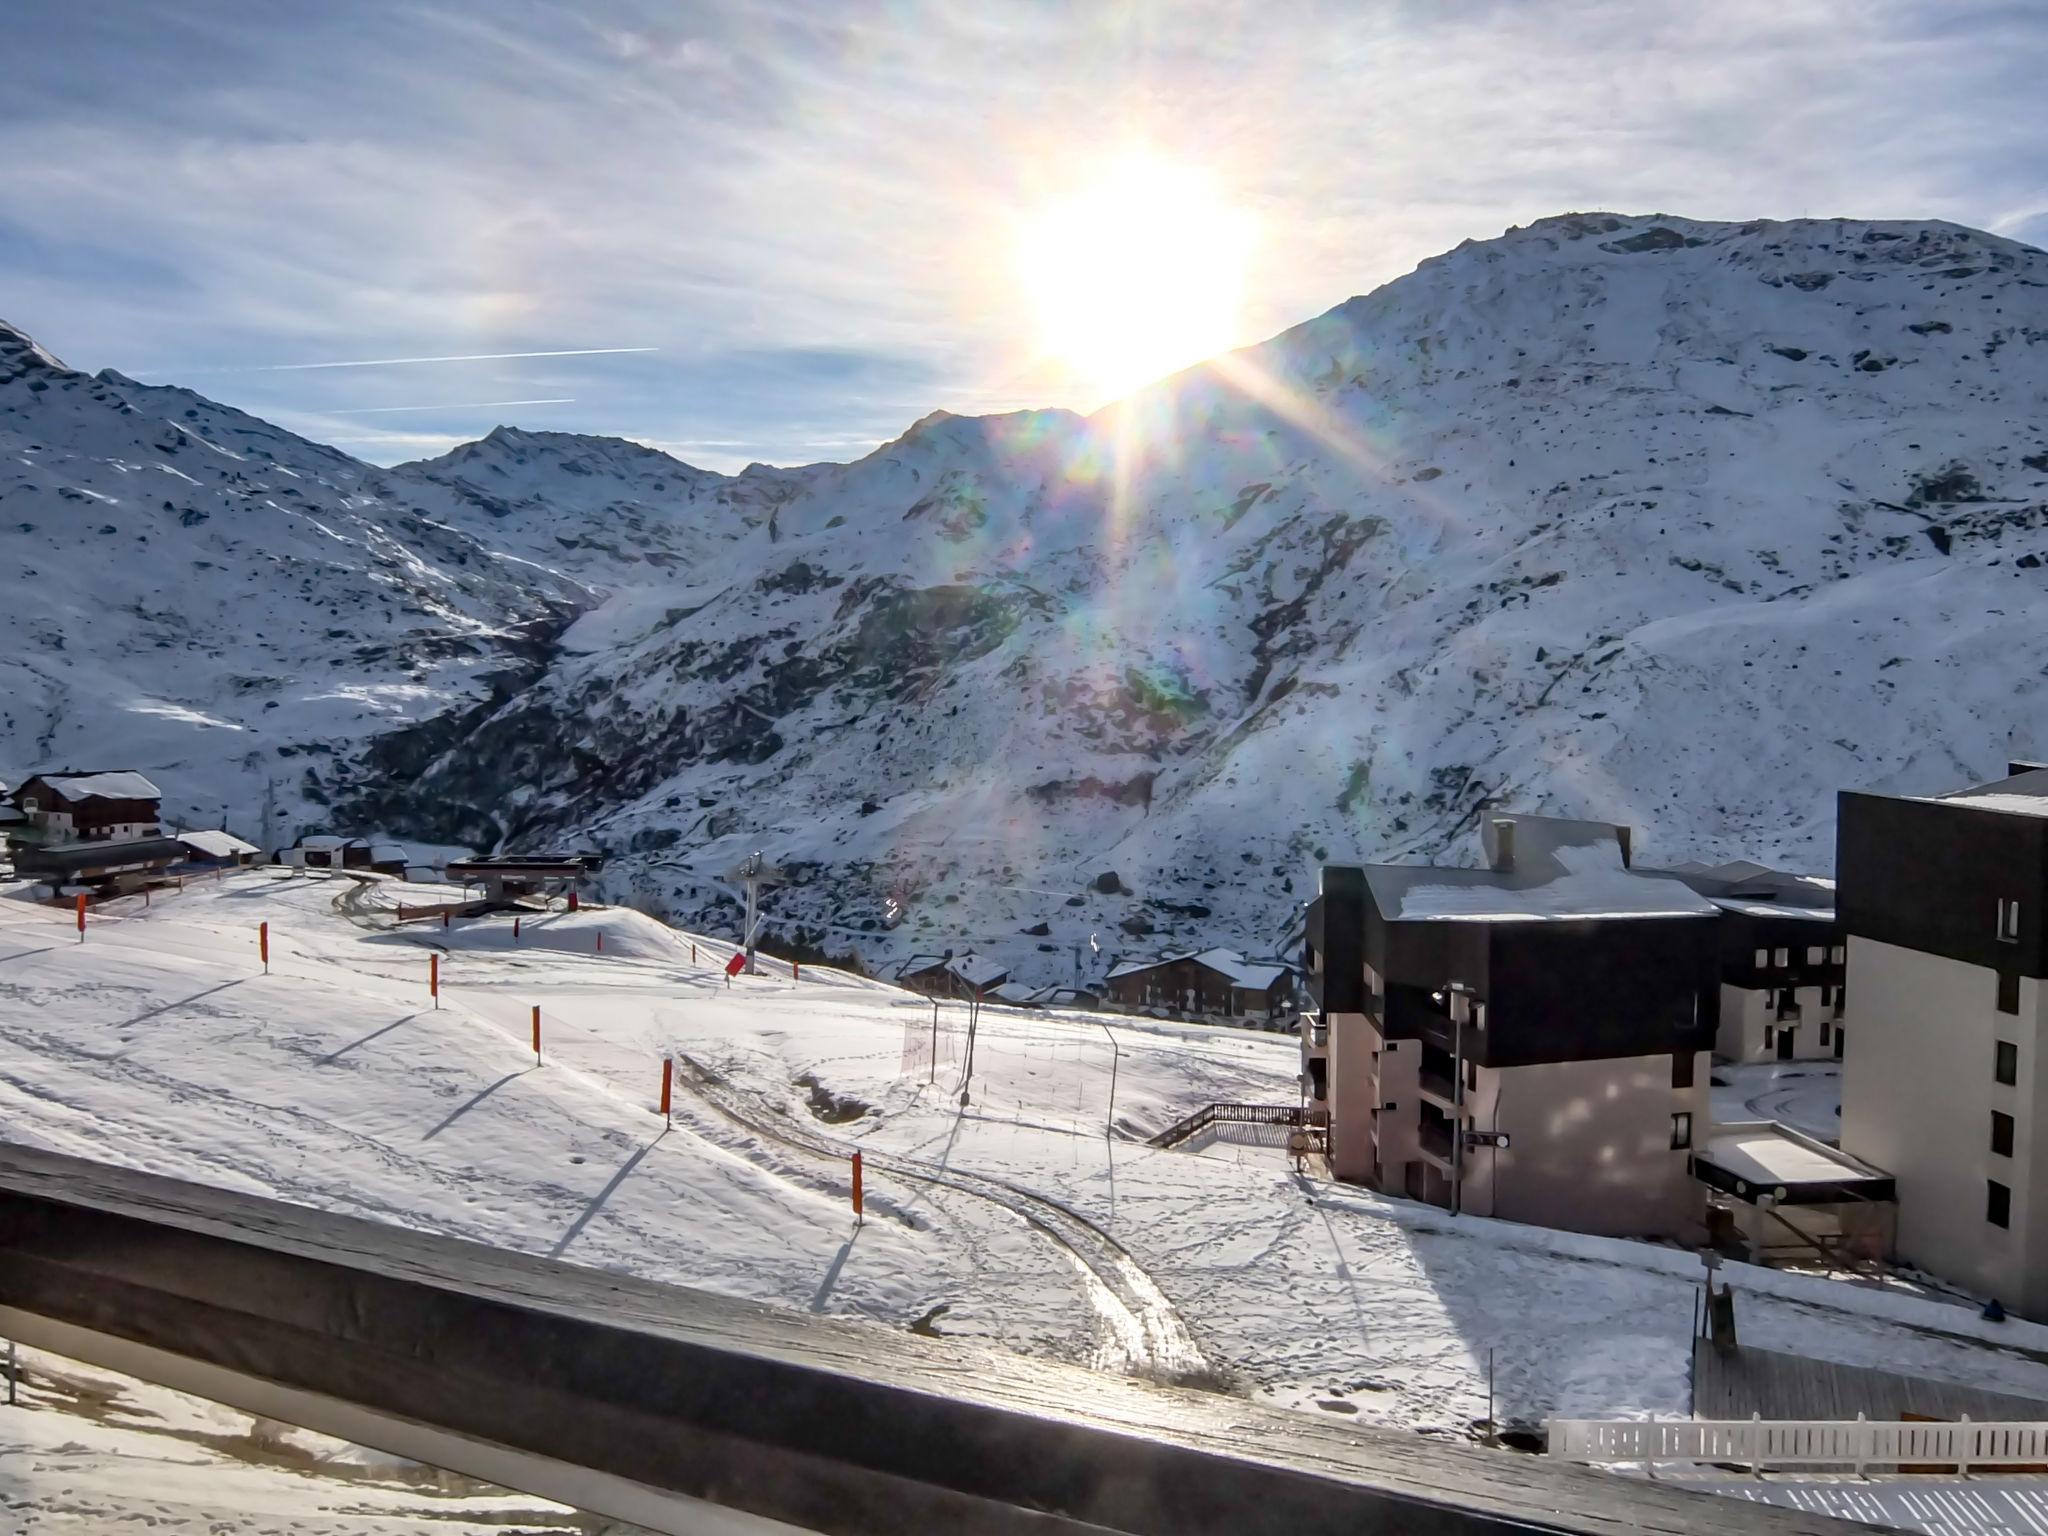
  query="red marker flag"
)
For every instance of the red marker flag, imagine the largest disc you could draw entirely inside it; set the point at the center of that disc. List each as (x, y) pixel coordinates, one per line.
(737, 963)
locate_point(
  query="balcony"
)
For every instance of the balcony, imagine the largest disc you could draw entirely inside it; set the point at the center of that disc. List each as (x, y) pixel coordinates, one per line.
(1438, 1086)
(1434, 1136)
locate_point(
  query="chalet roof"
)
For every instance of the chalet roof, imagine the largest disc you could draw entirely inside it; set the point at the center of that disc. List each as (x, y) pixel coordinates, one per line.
(975, 970)
(390, 853)
(325, 841)
(1256, 975)
(1562, 870)
(122, 785)
(216, 845)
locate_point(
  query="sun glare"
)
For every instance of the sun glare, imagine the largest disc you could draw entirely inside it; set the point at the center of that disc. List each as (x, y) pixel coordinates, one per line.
(1134, 274)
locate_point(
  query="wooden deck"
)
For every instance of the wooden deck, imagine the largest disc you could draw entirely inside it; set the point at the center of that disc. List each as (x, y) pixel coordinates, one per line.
(1746, 1381)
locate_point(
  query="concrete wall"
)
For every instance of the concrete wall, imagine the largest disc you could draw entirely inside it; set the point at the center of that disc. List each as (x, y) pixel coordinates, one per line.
(1918, 1091)
(1589, 1146)
(1749, 1025)
(1353, 1086)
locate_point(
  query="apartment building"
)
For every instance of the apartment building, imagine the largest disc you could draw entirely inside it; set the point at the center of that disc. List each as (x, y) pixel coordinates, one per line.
(1526, 1040)
(1942, 899)
(1783, 962)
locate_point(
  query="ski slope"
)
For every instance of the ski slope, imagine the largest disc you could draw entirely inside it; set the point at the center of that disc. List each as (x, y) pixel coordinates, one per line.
(157, 1042)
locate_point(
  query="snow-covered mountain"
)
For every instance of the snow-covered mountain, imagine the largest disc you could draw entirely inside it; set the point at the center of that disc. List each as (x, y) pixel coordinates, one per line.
(1681, 524)
(191, 590)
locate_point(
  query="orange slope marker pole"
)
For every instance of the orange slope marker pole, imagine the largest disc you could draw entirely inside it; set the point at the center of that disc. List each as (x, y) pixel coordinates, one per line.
(263, 945)
(536, 1034)
(600, 941)
(668, 1074)
(434, 978)
(81, 917)
(858, 1218)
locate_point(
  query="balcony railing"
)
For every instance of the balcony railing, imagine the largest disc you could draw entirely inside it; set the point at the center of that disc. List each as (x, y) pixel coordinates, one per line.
(1435, 1137)
(1438, 1086)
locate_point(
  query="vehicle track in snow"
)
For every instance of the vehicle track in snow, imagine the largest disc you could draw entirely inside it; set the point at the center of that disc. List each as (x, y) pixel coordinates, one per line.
(1139, 1328)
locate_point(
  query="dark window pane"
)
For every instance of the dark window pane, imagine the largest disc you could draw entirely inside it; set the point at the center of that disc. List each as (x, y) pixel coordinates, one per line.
(2001, 1133)
(1997, 1203)
(1681, 1069)
(2007, 1069)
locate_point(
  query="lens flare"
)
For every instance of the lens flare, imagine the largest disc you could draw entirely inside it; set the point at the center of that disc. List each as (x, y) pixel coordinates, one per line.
(1136, 272)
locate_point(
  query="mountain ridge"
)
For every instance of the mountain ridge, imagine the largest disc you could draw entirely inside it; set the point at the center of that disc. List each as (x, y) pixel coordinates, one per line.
(1678, 522)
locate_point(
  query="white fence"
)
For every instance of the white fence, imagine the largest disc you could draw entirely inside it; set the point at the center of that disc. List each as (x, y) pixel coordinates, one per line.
(1858, 1445)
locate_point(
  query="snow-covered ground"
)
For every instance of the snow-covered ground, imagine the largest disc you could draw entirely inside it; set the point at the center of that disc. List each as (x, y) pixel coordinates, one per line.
(86, 1451)
(1806, 1095)
(333, 1081)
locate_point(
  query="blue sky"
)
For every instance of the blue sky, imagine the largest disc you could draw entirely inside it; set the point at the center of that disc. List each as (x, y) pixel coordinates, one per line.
(801, 217)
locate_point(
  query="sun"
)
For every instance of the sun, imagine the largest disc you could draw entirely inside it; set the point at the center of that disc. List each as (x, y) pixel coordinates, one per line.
(1133, 274)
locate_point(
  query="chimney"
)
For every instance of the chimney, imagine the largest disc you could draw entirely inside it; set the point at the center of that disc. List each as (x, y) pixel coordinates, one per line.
(1497, 839)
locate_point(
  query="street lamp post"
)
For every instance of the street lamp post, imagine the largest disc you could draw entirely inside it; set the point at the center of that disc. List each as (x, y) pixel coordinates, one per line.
(1461, 1008)
(1116, 1055)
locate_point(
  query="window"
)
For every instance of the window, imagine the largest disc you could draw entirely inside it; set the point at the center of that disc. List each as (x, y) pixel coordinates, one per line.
(1770, 1037)
(1471, 1075)
(2007, 1066)
(1839, 954)
(1997, 1203)
(2009, 990)
(1824, 1037)
(1681, 1069)
(1478, 1015)
(1781, 957)
(1815, 954)
(1681, 1131)
(1763, 959)
(2001, 1133)
(2008, 921)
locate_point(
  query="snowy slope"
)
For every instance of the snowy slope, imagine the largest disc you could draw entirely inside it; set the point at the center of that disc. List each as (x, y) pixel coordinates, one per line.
(333, 1082)
(1681, 524)
(189, 589)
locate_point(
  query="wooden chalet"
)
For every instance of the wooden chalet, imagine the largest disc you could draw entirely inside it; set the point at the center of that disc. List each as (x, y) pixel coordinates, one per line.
(117, 805)
(1217, 983)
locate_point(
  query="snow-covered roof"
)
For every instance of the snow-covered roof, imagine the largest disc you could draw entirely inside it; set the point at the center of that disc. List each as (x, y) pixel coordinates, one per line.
(2024, 794)
(387, 853)
(124, 785)
(216, 845)
(1562, 870)
(1767, 1154)
(1257, 975)
(975, 970)
(1757, 890)
(319, 841)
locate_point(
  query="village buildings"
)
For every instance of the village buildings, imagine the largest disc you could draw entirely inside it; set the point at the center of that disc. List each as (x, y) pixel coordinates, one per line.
(88, 807)
(1944, 901)
(1783, 963)
(1526, 1040)
(1211, 983)
(962, 976)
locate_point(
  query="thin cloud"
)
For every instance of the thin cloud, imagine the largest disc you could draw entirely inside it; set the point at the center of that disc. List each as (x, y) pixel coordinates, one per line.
(467, 405)
(397, 362)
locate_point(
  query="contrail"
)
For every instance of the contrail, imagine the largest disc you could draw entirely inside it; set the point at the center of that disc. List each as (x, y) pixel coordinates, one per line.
(394, 362)
(468, 405)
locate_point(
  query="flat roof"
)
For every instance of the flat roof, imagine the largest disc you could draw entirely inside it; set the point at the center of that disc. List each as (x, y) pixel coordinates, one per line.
(1761, 1157)
(1579, 885)
(2022, 794)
